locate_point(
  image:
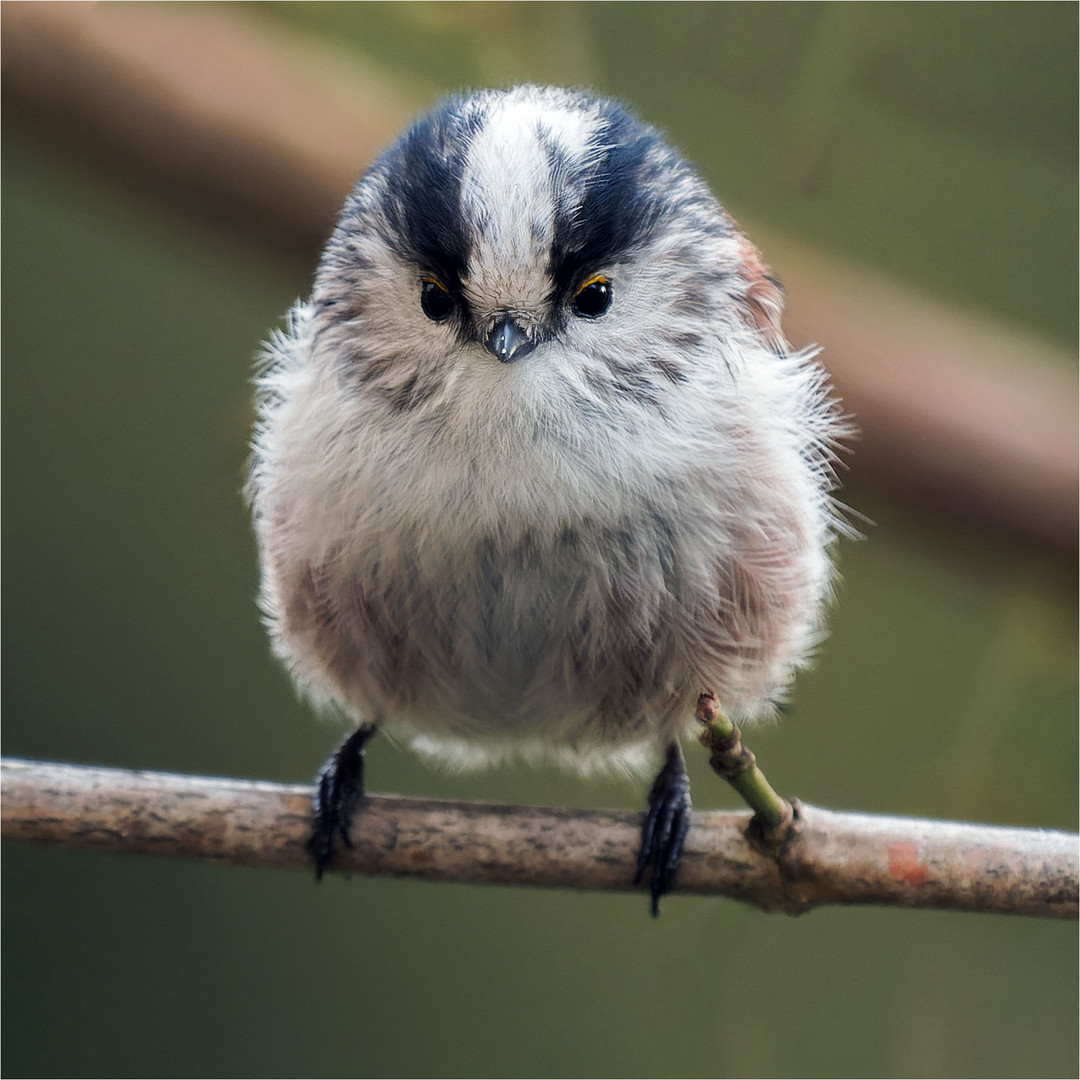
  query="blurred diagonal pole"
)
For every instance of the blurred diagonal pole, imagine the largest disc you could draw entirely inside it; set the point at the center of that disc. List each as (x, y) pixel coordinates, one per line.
(267, 131)
(826, 858)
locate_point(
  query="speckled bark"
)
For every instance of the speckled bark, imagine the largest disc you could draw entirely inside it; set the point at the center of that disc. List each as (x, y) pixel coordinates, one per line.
(826, 857)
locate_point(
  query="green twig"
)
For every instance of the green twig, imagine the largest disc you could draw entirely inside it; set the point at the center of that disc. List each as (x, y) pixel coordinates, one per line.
(737, 765)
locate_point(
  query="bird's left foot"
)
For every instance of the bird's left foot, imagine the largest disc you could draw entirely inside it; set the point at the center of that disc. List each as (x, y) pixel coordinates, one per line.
(339, 790)
(666, 824)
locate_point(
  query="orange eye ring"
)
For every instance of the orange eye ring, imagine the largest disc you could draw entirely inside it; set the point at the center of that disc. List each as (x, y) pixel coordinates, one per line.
(435, 299)
(596, 279)
(593, 297)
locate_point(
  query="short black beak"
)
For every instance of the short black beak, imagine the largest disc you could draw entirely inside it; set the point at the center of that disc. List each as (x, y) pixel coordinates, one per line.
(508, 341)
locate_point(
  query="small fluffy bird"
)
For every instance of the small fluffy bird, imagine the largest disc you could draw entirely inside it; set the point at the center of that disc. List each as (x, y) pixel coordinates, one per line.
(535, 465)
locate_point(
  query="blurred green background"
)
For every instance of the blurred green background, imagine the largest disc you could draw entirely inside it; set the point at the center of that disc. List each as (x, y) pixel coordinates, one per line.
(936, 142)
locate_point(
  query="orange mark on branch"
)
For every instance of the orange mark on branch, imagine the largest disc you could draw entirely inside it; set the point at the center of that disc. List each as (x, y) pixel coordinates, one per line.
(904, 863)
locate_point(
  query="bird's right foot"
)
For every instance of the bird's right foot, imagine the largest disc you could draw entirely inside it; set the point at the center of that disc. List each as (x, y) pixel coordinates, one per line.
(339, 790)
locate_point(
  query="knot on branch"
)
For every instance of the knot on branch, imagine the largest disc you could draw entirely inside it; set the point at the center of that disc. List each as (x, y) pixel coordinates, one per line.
(727, 755)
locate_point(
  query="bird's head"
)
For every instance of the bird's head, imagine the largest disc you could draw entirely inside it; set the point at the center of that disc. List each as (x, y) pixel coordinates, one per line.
(540, 229)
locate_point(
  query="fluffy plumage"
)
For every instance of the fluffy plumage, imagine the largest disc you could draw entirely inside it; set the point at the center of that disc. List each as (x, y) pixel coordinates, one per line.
(555, 554)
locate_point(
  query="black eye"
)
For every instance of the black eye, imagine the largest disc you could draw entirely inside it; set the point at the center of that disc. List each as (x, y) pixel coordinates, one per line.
(593, 298)
(437, 303)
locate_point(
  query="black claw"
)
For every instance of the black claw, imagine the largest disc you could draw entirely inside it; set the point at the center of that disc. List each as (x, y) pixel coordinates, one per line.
(666, 825)
(339, 790)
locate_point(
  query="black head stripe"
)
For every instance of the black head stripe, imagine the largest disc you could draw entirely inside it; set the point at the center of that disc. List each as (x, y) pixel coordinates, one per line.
(623, 197)
(422, 204)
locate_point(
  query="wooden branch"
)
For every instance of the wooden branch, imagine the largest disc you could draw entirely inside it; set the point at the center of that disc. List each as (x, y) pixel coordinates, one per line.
(826, 857)
(270, 131)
